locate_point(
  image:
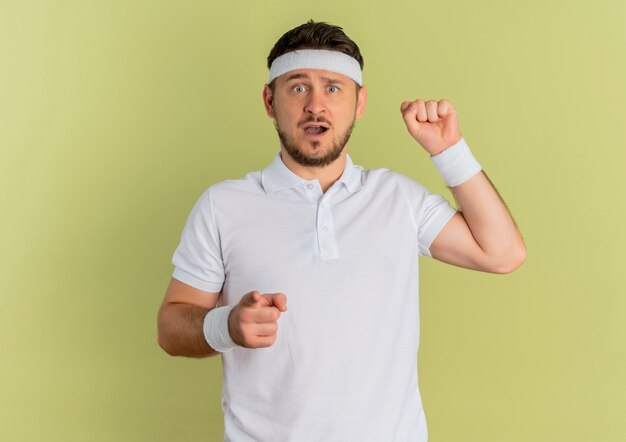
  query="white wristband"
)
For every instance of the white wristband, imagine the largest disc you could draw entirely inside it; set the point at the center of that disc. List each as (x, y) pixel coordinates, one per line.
(456, 164)
(216, 329)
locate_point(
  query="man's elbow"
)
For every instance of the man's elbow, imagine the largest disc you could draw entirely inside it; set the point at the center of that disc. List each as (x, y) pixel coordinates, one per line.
(165, 344)
(165, 338)
(512, 261)
(169, 350)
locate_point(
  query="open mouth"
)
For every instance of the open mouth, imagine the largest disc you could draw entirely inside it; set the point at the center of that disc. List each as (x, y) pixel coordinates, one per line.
(315, 130)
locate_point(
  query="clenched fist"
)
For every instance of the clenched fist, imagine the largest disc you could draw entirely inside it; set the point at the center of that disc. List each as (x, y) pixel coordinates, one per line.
(253, 323)
(433, 124)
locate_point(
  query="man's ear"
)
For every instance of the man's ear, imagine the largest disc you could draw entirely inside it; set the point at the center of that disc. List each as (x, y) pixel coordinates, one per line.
(268, 101)
(361, 99)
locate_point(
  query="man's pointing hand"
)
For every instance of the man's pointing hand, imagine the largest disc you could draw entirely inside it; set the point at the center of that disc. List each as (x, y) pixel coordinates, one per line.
(253, 323)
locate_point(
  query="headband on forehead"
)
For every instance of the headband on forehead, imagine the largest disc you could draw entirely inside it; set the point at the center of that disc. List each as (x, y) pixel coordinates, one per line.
(317, 59)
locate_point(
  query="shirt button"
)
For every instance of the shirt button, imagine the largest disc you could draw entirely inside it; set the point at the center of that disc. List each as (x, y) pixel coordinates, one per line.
(325, 228)
(322, 205)
(309, 186)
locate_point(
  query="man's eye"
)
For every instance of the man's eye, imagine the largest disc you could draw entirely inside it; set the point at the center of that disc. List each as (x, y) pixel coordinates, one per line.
(333, 89)
(299, 89)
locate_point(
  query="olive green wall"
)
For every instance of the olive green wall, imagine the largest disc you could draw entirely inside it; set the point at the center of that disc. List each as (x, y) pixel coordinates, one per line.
(116, 115)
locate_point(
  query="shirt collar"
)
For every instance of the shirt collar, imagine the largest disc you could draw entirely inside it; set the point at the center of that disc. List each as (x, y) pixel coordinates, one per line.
(277, 176)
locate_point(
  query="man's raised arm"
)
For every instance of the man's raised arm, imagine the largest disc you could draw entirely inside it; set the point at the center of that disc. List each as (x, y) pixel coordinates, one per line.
(483, 236)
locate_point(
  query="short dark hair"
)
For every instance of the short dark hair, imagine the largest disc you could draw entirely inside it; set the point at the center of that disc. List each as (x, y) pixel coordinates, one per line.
(315, 35)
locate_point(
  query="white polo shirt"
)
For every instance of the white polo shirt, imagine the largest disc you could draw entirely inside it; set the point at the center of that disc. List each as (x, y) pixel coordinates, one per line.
(344, 365)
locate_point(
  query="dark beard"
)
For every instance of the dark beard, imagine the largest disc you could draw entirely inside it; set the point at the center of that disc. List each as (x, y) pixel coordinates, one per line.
(304, 160)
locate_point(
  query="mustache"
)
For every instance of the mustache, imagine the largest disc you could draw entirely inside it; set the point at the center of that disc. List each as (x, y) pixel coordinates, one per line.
(314, 119)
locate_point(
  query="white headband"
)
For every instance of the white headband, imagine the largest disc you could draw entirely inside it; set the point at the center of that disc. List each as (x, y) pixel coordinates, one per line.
(317, 59)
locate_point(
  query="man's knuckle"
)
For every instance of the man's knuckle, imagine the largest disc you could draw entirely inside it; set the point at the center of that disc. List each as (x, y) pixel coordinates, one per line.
(244, 316)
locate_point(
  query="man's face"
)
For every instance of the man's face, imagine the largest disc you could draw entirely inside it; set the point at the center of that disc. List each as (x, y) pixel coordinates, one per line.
(314, 112)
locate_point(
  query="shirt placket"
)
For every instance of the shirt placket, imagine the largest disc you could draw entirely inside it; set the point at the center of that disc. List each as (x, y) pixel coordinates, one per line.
(325, 229)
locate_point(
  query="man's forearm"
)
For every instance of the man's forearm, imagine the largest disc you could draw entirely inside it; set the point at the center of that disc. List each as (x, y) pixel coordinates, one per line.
(180, 330)
(490, 221)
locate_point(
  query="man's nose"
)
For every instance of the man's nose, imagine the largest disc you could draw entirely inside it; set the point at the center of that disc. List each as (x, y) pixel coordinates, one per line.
(315, 103)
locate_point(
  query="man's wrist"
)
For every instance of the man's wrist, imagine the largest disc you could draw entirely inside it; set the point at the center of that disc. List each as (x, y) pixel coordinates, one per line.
(215, 328)
(456, 163)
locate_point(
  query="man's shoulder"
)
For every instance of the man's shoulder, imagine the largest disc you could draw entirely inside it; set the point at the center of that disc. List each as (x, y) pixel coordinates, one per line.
(250, 183)
(383, 176)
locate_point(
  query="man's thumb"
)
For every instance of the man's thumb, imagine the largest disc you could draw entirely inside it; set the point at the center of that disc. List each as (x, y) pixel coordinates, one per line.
(251, 298)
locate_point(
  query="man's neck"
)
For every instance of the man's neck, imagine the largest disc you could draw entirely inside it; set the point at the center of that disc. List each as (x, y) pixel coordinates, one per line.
(326, 175)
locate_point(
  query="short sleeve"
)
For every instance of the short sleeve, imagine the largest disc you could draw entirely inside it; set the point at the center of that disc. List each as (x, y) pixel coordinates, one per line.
(430, 212)
(433, 215)
(198, 258)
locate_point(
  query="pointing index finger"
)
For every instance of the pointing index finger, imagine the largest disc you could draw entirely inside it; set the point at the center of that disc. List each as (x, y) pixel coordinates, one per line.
(278, 300)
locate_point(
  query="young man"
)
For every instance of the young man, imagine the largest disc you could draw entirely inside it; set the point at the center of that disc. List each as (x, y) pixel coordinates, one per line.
(340, 246)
